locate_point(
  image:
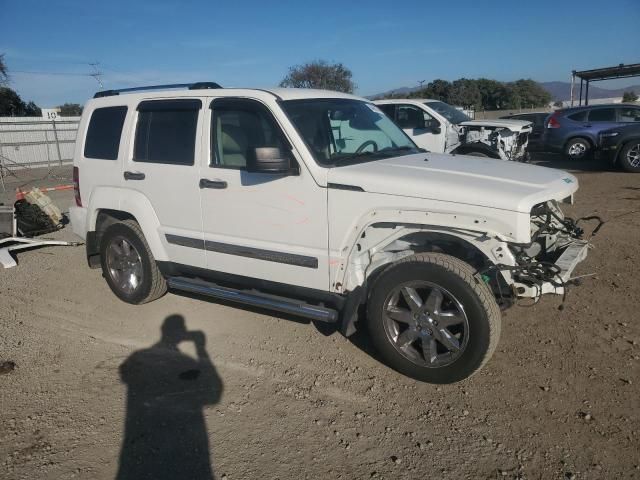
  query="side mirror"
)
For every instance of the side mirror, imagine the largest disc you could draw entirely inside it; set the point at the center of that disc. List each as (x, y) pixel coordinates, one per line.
(436, 130)
(271, 160)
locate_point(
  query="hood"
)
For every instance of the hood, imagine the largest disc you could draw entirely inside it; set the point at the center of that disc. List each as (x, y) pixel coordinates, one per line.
(514, 125)
(459, 179)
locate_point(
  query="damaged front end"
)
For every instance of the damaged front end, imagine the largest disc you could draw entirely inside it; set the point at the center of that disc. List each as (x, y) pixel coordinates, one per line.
(505, 142)
(545, 264)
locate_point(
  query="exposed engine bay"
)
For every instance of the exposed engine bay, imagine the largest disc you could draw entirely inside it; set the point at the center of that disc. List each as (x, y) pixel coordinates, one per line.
(509, 145)
(545, 264)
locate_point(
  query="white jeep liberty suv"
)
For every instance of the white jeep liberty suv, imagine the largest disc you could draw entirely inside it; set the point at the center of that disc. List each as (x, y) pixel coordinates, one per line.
(314, 203)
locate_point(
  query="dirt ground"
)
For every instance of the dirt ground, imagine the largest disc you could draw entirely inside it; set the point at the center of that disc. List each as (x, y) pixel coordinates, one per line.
(281, 398)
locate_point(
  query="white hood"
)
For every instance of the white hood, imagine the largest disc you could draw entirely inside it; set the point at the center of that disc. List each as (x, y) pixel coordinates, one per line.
(514, 125)
(459, 179)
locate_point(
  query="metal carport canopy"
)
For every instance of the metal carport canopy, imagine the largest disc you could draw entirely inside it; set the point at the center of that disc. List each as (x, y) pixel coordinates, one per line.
(598, 74)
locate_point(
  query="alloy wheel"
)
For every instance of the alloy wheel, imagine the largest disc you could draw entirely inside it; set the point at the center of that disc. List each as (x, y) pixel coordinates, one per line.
(124, 265)
(426, 324)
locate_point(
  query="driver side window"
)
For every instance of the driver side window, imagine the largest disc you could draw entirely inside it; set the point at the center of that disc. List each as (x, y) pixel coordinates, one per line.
(238, 127)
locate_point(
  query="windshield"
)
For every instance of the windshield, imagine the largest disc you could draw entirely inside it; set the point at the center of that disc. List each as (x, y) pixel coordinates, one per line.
(341, 131)
(447, 111)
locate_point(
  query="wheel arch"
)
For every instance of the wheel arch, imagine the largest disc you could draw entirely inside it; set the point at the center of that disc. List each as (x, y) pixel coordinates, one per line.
(476, 147)
(108, 209)
(591, 141)
(621, 147)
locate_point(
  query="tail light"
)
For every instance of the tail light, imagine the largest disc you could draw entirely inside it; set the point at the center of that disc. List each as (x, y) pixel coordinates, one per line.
(553, 122)
(76, 186)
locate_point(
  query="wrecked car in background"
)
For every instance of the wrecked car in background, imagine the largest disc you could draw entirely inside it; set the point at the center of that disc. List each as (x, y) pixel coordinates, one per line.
(441, 128)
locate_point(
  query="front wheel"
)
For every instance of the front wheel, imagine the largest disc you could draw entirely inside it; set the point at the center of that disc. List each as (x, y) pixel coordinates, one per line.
(630, 157)
(431, 319)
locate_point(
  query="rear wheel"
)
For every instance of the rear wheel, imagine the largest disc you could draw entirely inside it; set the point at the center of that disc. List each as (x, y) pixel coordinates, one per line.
(431, 319)
(128, 264)
(578, 149)
(630, 157)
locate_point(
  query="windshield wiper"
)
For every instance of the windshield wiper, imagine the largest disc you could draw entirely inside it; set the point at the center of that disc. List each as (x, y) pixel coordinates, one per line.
(404, 148)
(352, 156)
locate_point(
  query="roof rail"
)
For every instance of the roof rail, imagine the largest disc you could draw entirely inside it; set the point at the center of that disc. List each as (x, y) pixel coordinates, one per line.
(190, 86)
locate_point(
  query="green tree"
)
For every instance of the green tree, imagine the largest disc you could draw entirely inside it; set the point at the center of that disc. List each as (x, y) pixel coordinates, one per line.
(4, 71)
(526, 94)
(628, 97)
(32, 110)
(437, 90)
(465, 93)
(70, 110)
(11, 105)
(320, 74)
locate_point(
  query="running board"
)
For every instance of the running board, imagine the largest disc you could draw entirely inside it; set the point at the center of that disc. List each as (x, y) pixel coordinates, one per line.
(254, 298)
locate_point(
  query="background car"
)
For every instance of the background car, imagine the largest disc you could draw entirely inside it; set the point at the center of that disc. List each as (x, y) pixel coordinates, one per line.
(621, 146)
(537, 119)
(574, 131)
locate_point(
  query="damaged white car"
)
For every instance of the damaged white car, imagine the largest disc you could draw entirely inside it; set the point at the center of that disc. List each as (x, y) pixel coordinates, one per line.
(314, 203)
(441, 128)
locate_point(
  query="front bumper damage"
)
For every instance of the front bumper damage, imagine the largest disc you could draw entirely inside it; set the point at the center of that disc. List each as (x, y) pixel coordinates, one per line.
(561, 275)
(546, 264)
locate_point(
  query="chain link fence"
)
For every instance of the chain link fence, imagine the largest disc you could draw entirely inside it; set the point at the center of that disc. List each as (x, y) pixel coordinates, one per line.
(33, 142)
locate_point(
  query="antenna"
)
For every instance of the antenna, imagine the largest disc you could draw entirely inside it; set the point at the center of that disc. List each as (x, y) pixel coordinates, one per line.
(97, 74)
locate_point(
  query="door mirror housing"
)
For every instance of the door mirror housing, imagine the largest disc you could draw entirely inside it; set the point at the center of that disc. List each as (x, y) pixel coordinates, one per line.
(272, 160)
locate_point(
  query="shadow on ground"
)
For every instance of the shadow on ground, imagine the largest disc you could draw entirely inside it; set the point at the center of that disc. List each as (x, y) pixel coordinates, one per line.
(165, 432)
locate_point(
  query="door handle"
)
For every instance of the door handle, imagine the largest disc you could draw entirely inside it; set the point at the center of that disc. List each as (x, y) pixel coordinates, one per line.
(217, 184)
(134, 176)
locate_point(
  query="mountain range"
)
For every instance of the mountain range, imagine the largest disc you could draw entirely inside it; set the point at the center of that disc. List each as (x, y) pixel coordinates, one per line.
(557, 90)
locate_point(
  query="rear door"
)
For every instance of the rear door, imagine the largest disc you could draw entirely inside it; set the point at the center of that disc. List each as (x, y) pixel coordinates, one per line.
(600, 119)
(162, 166)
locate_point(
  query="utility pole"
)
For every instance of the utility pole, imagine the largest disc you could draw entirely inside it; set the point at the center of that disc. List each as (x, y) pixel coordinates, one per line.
(421, 82)
(97, 74)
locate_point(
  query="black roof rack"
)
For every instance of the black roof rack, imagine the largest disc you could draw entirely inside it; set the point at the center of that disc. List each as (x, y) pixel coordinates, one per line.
(190, 86)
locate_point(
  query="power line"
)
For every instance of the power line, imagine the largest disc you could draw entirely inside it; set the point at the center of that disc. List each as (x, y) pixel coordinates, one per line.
(53, 73)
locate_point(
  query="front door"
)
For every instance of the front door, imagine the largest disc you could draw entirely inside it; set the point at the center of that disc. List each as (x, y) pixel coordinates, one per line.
(161, 165)
(266, 226)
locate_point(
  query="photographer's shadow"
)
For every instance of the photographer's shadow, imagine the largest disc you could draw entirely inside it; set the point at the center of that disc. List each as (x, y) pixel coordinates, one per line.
(165, 432)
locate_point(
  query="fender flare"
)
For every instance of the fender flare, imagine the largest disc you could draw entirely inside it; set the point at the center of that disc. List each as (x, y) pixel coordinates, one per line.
(133, 203)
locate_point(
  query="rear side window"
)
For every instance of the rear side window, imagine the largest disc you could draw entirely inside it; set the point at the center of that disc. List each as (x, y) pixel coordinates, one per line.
(166, 131)
(602, 115)
(579, 116)
(103, 135)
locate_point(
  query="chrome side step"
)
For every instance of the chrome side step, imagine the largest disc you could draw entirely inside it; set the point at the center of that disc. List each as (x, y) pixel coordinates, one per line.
(254, 298)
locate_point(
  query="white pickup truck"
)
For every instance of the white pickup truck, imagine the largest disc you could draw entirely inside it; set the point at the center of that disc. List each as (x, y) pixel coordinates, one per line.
(438, 127)
(315, 203)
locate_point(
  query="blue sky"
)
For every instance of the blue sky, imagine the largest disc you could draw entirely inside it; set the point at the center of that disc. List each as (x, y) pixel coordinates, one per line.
(252, 43)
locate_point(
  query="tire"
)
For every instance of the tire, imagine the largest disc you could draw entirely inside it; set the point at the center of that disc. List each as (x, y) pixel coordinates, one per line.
(578, 149)
(131, 273)
(467, 315)
(629, 158)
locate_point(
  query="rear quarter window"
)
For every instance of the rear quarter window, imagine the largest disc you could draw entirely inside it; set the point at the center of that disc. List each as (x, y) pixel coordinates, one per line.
(103, 135)
(578, 116)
